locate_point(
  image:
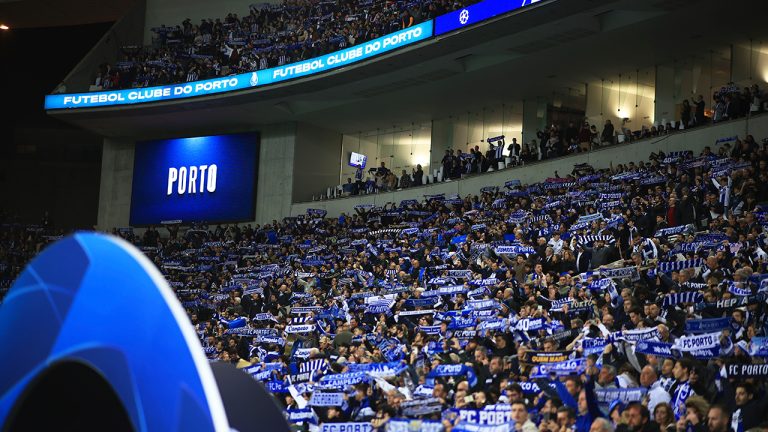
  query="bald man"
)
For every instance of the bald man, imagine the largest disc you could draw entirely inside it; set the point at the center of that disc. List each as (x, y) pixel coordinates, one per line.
(601, 425)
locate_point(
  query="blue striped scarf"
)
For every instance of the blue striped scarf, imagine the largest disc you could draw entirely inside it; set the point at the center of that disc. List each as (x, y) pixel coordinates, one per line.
(647, 181)
(593, 238)
(682, 297)
(664, 232)
(738, 291)
(611, 196)
(667, 267)
(611, 204)
(314, 365)
(648, 249)
(711, 237)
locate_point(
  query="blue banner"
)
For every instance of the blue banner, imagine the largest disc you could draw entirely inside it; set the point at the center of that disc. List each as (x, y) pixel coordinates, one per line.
(244, 81)
(326, 399)
(565, 368)
(346, 427)
(707, 325)
(452, 370)
(409, 425)
(661, 349)
(485, 416)
(379, 369)
(593, 345)
(624, 395)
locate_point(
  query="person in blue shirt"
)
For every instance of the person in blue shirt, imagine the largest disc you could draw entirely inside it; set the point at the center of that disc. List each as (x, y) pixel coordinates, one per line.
(586, 407)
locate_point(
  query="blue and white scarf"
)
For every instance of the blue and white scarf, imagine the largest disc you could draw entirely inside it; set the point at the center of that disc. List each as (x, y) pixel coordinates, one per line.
(403, 425)
(681, 394)
(758, 347)
(668, 267)
(483, 304)
(452, 370)
(707, 325)
(682, 297)
(711, 238)
(421, 302)
(304, 328)
(735, 290)
(611, 204)
(620, 273)
(601, 284)
(461, 322)
(492, 324)
(530, 324)
(269, 340)
(379, 369)
(652, 180)
(484, 282)
(635, 335)
(624, 395)
(650, 347)
(342, 380)
(593, 345)
(698, 342)
(565, 368)
(302, 415)
(612, 196)
(430, 330)
(586, 239)
(664, 232)
(314, 365)
(514, 250)
(590, 218)
(459, 273)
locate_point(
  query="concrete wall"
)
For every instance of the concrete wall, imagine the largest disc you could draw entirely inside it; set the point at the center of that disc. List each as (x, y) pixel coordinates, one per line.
(316, 160)
(126, 32)
(116, 183)
(276, 161)
(695, 139)
(629, 95)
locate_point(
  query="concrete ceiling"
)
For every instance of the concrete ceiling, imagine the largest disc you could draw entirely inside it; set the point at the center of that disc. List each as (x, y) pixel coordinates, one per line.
(52, 13)
(552, 48)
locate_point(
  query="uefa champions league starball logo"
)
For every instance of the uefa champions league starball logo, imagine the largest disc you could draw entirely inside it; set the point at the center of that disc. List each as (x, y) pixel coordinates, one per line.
(464, 16)
(254, 79)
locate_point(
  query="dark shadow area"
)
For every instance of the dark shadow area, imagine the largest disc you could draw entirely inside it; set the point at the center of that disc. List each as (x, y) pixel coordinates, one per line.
(250, 407)
(69, 396)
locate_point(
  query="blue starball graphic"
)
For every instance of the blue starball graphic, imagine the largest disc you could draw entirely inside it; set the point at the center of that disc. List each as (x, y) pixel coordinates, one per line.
(96, 300)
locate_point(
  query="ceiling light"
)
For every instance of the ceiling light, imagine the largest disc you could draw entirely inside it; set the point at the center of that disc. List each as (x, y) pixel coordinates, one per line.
(4, 27)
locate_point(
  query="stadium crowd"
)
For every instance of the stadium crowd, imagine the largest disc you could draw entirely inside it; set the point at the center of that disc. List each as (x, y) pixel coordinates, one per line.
(622, 298)
(270, 35)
